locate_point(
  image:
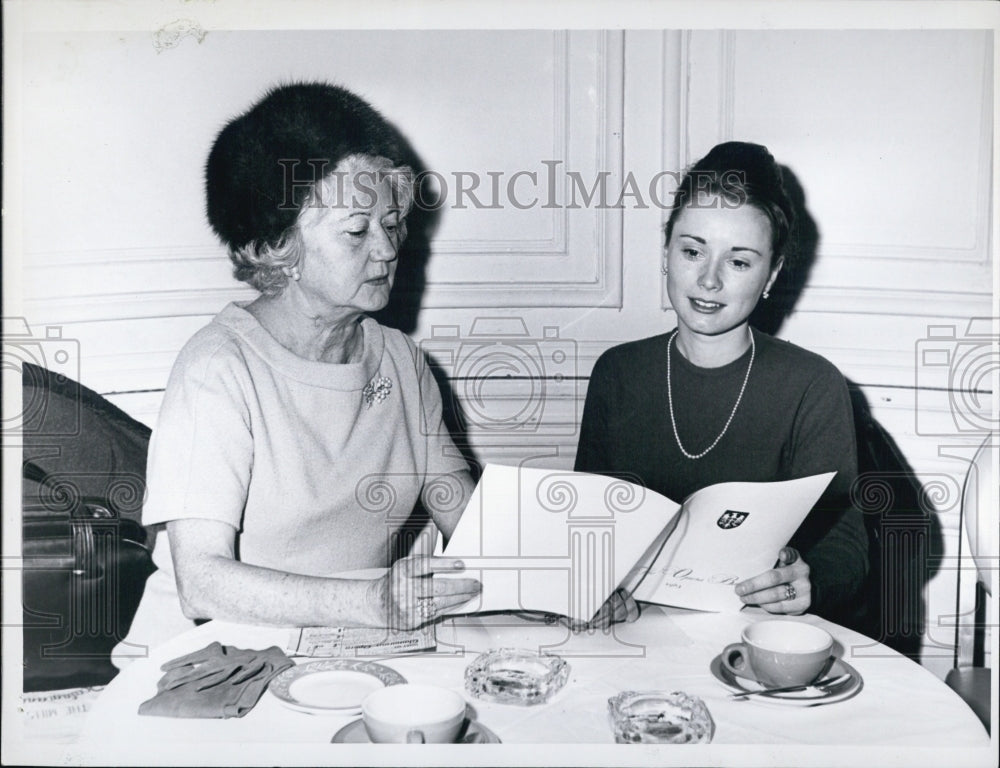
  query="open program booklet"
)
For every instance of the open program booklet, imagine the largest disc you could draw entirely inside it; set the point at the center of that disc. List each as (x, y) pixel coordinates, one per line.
(562, 542)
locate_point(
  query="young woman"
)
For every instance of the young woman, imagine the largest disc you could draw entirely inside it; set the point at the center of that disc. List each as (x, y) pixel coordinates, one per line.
(715, 400)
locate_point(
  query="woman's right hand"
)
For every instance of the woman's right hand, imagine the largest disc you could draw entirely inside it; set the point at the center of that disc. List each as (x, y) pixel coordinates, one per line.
(410, 596)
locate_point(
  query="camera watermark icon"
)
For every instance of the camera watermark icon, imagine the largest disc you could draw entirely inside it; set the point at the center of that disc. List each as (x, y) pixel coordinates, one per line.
(954, 373)
(504, 381)
(28, 357)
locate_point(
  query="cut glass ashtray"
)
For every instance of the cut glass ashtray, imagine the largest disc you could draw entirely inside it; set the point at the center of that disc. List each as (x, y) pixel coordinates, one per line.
(516, 676)
(657, 717)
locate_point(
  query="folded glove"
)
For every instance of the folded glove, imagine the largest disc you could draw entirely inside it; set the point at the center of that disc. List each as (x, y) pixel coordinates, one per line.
(218, 681)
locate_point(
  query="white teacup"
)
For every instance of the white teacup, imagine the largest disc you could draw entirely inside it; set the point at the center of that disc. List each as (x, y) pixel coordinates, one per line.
(780, 652)
(410, 713)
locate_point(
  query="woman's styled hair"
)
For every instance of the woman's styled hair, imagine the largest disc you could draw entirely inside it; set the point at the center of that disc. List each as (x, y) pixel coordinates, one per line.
(263, 264)
(277, 159)
(737, 173)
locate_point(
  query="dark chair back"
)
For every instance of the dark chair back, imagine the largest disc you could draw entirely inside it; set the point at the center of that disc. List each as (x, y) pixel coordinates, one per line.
(902, 535)
(85, 553)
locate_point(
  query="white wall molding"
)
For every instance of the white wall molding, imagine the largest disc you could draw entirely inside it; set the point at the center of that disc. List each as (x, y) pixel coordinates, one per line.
(917, 303)
(727, 78)
(113, 307)
(581, 265)
(116, 257)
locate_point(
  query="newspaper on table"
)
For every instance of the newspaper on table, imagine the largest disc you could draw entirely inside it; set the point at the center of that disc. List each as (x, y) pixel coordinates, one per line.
(359, 642)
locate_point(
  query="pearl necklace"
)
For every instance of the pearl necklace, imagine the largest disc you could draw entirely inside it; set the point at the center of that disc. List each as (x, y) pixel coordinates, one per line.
(670, 401)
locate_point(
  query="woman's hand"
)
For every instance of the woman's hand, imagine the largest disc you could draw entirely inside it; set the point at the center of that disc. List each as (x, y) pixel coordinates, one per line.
(409, 595)
(783, 589)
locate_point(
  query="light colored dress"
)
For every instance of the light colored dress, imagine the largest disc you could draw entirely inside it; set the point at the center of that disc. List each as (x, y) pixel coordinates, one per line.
(315, 473)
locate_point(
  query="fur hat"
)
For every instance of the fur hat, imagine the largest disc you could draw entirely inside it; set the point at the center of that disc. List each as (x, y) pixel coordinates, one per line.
(250, 194)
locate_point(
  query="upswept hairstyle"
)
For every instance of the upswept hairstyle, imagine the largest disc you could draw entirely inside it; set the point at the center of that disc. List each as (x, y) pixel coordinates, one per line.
(738, 173)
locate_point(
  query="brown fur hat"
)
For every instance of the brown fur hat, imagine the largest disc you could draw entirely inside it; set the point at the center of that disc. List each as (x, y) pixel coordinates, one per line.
(263, 162)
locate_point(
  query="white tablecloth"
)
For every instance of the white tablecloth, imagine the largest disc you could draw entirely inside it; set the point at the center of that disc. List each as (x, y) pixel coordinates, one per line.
(903, 710)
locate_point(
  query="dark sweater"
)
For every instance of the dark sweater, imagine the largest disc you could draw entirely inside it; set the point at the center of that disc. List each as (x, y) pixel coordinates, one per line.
(795, 420)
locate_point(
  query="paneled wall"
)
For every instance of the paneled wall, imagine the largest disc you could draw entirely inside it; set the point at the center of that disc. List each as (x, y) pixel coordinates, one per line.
(890, 137)
(549, 148)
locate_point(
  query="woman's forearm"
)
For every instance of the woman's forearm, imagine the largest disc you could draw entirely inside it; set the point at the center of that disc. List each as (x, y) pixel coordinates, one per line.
(219, 587)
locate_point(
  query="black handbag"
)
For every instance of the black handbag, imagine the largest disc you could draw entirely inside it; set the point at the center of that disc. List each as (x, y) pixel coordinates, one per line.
(84, 570)
(86, 556)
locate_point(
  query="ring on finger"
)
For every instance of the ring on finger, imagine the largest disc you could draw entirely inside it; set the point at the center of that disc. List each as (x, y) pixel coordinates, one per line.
(790, 592)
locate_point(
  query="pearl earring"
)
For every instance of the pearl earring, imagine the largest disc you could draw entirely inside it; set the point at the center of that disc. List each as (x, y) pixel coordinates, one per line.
(664, 269)
(294, 273)
(766, 295)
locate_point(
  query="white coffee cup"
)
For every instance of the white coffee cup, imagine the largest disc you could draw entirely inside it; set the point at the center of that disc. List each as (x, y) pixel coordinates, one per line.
(411, 713)
(780, 652)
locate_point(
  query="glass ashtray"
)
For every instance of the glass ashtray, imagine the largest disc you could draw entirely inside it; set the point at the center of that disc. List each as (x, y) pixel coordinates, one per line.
(657, 717)
(516, 676)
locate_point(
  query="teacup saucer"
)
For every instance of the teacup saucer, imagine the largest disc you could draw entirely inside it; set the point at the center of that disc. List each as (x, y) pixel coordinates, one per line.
(810, 697)
(473, 733)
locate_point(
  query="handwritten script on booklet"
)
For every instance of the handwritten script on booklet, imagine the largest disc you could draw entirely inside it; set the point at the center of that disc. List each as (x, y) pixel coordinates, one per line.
(562, 542)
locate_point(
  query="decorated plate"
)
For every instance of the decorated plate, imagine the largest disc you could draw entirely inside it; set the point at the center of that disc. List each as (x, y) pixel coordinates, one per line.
(332, 686)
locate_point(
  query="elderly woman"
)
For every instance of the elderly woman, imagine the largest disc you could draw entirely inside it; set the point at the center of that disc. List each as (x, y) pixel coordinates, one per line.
(297, 434)
(715, 400)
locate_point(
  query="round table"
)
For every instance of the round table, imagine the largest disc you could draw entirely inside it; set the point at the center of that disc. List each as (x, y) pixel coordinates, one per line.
(903, 711)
